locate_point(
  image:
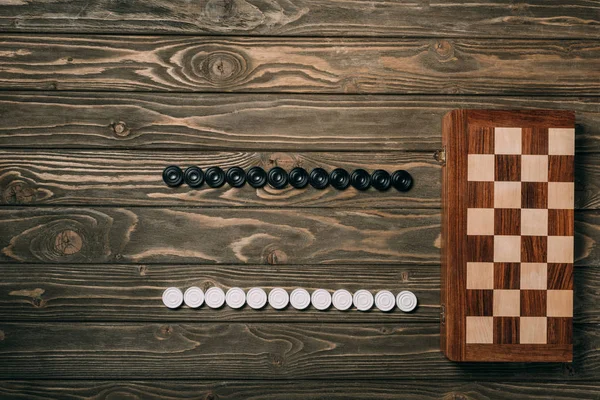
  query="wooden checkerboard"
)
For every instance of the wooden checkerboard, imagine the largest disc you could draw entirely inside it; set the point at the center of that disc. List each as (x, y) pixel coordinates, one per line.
(508, 199)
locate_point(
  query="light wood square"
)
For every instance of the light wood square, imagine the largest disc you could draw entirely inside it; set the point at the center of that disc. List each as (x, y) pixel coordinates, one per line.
(507, 248)
(480, 275)
(560, 249)
(480, 330)
(534, 222)
(480, 221)
(507, 303)
(561, 141)
(533, 330)
(507, 140)
(534, 276)
(481, 167)
(561, 195)
(534, 168)
(559, 303)
(507, 194)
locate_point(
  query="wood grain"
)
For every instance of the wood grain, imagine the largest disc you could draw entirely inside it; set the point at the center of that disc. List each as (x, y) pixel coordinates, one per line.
(536, 19)
(296, 390)
(132, 293)
(256, 122)
(100, 116)
(135, 178)
(454, 252)
(124, 293)
(246, 236)
(406, 66)
(254, 351)
(100, 177)
(207, 236)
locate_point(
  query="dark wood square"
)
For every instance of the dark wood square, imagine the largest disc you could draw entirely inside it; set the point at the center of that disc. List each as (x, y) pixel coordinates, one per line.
(534, 248)
(561, 222)
(534, 195)
(560, 330)
(507, 275)
(480, 302)
(533, 303)
(506, 330)
(534, 140)
(480, 248)
(481, 194)
(481, 140)
(560, 276)
(561, 168)
(507, 167)
(507, 221)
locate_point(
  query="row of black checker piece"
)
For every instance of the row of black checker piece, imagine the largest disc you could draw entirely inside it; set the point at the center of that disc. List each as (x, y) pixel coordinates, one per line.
(279, 178)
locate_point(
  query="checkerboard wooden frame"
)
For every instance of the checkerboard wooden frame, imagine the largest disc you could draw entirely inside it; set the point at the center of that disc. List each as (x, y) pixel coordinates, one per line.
(507, 275)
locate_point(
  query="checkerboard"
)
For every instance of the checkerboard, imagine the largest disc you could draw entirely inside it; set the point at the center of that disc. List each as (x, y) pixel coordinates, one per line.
(517, 267)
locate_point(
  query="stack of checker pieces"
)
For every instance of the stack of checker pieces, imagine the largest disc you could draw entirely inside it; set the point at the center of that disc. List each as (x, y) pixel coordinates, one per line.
(516, 270)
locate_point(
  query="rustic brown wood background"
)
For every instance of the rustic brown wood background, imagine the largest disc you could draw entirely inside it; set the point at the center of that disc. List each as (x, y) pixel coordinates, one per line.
(98, 96)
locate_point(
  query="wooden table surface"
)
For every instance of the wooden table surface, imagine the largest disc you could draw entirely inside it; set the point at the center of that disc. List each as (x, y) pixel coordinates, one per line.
(97, 97)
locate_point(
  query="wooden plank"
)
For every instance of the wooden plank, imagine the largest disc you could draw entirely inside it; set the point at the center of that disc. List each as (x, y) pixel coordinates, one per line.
(298, 390)
(534, 18)
(238, 236)
(196, 64)
(135, 178)
(208, 236)
(255, 351)
(132, 293)
(254, 122)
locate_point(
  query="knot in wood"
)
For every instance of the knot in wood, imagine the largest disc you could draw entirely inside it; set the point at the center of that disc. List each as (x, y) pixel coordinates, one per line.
(284, 160)
(206, 285)
(220, 10)
(276, 360)
(68, 242)
(2, 336)
(276, 257)
(210, 396)
(164, 332)
(18, 193)
(222, 68)
(404, 276)
(39, 302)
(386, 331)
(569, 369)
(120, 129)
(231, 15)
(444, 49)
(350, 85)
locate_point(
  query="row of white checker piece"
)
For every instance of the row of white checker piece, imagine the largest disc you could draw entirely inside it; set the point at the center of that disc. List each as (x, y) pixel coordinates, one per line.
(278, 298)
